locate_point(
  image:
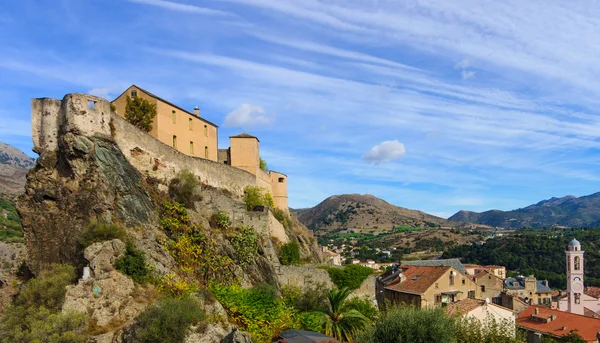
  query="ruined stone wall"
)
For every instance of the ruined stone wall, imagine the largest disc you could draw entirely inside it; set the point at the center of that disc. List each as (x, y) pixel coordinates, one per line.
(302, 276)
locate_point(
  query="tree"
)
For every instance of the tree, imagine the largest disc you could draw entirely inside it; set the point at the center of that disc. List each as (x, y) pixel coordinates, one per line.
(140, 112)
(263, 164)
(342, 321)
(572, 337)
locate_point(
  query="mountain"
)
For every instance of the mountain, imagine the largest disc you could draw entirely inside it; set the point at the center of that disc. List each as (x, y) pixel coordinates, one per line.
(567, 211)
(362, 211)
(13, 167)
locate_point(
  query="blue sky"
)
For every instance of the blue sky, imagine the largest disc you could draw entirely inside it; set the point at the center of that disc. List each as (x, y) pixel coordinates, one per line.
(432, 105)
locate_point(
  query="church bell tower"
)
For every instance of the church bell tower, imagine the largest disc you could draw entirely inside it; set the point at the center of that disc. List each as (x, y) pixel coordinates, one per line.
(574, 277)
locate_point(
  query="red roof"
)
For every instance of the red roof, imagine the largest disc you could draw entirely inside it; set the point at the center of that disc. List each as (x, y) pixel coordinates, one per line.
(559, 323)
(464, 306)
(418, 278)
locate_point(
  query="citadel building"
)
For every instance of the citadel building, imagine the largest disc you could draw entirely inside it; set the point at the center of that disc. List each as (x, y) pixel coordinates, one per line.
(195, 136)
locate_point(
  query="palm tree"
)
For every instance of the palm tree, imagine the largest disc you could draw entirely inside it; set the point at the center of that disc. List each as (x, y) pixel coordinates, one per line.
(341, 321)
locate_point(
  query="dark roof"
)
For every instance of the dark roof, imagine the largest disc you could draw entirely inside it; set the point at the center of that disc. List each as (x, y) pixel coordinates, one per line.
(167, 102)
(417, 279)
(244, 135)
(451, 262)
(540, 287)
(300, 336)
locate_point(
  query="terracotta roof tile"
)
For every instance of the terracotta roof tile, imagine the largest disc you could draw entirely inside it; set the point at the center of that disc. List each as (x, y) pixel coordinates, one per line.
(586, 327)
(418, 278)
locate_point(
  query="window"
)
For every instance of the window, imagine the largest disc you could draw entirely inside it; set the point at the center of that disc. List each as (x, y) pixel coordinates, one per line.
(451, 278)
(205, 131)
(206, 152)
(577, 298)
(173, 117)
(577, 263)
(91, 104)
(464, 281)
(191, 122)
(438, 298)
(281, 180)
(471, 294)
(133, 93)
(175, 142)
(482, 288)
(191, 148)
(437, 285)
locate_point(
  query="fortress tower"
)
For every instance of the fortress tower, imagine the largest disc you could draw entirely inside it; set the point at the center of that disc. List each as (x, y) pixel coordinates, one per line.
(574, 277)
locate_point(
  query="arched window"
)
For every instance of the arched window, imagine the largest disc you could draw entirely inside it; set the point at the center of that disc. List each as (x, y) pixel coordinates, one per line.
(577, 263)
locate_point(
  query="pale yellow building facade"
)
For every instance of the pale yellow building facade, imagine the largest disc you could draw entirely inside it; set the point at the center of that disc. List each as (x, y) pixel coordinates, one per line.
(193, 135)
(185, 131)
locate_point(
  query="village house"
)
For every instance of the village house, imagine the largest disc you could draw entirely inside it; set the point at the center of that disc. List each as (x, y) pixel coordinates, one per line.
(195, 136)
(529, 289)
(490, 285)
(473, 269)
(540, 322)
(485, 312)
(424, 286)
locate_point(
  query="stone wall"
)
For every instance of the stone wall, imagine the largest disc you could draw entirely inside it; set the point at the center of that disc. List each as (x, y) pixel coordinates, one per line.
(156, 159)
(301, 276)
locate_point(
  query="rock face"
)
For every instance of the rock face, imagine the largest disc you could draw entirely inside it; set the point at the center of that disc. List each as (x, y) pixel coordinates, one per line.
(13, 168)
(108, 297)
(78, 178)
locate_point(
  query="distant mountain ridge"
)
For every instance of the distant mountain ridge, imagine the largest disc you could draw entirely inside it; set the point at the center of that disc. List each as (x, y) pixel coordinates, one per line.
(568, 211)
(14, 165)
(362, 211)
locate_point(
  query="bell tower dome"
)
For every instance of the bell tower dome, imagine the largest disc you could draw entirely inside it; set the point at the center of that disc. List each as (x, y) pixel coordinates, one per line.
(574, 277)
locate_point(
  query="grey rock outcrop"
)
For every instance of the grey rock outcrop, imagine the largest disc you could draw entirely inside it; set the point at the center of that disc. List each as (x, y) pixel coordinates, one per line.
(109, 297)
(236, 336)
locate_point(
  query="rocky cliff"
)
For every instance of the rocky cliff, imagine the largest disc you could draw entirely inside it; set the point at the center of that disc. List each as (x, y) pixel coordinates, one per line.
(92, 166)
(13, 168)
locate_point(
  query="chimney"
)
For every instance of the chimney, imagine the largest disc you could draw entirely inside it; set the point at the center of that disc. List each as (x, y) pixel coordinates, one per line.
(196, 111)
(537, 310)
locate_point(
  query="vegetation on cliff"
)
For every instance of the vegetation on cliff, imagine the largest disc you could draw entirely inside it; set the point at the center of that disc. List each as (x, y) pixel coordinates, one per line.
(36, 316)
(351, 276)
(256, 196)
(10, 223)
(168, 320)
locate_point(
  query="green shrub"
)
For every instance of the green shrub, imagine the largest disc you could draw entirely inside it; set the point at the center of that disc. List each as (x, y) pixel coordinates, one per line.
(133, 263)
(97, 232)
(407, 324)
(48, 290)
(364, 306)
(290, 253)
(174, 218)
(256, 196)
(140, 112)
(283, 218)
(351, 276)
(12, 232)
(263, 165)
(220, 220)
(168, 321)
(245, 244)
(36, 312)
(473, 330)
(313, 297)
(185, 188)
(257, 310)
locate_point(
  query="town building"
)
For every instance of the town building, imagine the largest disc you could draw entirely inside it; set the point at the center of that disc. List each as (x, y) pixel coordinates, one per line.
(424, 286)
(578, 298)
(490, 285)
(183, 130)
(531, 290)
(485, 312)
(331, 257)
(195, 136)
(540, 322)
(473, 269)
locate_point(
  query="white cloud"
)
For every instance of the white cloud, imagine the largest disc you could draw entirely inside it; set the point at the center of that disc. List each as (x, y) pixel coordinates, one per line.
(174, 6)
(385, 152)
(246, 116)
(100, 92)
(467, 74)
(463, 64)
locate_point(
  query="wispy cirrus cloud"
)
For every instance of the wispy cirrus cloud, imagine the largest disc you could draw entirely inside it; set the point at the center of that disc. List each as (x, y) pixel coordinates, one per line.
(500, 107)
